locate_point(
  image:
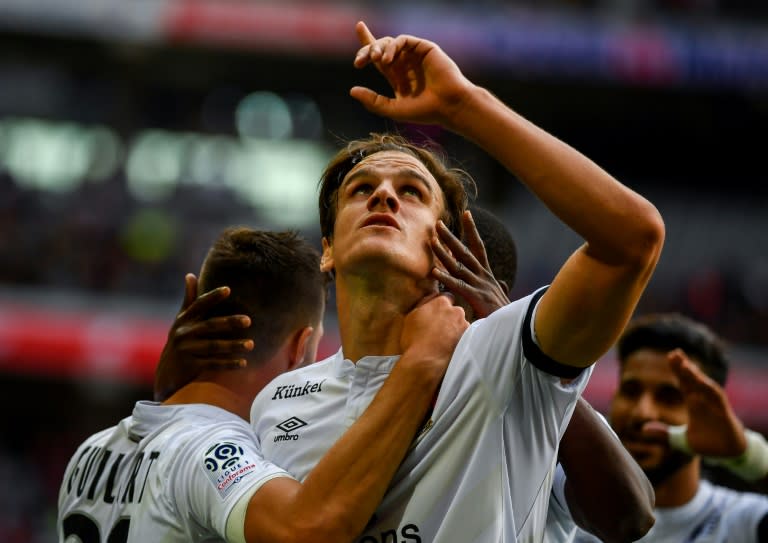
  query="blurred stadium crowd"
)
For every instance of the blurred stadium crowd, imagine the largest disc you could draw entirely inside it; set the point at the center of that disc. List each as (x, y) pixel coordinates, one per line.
(88, 225)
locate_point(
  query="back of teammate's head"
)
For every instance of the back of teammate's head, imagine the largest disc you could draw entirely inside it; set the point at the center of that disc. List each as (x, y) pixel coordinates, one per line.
(274, 278)
(669, 331)
(499, 246)
(454, 182)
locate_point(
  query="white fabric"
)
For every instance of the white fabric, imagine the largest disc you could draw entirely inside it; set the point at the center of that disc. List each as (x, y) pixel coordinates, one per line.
(166, 473)
(560, 525)
(715, 515)
(481, 469)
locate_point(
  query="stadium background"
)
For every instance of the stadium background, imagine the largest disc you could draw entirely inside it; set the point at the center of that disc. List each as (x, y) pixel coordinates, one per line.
(131, 133)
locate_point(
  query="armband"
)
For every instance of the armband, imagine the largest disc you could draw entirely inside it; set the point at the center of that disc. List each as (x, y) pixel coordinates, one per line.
(752, 464)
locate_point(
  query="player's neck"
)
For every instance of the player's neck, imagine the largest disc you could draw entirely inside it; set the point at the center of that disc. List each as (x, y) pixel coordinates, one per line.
(212, 393)
(371, 314)
(680, 487)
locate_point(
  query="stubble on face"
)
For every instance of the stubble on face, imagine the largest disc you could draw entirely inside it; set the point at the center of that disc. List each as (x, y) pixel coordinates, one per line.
(649, 391)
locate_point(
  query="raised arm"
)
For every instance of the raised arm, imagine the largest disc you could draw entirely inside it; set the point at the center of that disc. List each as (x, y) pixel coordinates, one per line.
(337, 499)
(618, 505)
(594, 294)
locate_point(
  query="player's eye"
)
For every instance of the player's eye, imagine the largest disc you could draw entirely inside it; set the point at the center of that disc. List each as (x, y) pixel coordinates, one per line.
(362, 188)
(669, 395)
(410, 190)
(629, 389)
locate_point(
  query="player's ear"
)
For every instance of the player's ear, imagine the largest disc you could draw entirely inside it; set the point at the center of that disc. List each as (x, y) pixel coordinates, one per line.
(326, 259)
(299, 346)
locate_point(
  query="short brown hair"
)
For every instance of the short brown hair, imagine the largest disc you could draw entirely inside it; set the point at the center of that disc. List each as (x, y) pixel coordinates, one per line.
(274, 278)
(454, 182)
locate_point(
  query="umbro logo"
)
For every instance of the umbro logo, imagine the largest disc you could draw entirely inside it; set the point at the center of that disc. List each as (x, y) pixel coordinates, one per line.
(289, 425)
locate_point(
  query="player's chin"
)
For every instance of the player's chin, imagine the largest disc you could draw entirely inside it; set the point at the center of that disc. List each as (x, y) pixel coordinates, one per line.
(647, 455)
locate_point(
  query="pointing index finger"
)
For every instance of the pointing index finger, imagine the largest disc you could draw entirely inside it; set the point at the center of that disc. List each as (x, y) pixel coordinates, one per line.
(364, 34)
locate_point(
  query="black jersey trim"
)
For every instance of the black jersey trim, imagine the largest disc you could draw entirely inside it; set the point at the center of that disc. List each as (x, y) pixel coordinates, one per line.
(762, 529)
(533, 353)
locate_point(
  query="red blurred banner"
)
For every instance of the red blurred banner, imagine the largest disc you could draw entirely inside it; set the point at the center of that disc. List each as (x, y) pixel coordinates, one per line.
(59, 343)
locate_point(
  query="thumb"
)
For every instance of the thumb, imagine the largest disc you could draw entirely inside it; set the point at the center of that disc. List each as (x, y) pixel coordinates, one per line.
(655, 430)
(676, 436)
(372, 101)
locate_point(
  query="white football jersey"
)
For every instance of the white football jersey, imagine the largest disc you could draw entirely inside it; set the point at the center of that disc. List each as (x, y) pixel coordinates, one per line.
(560, 525)
(481, 468)
(715, 515)
(167, 473)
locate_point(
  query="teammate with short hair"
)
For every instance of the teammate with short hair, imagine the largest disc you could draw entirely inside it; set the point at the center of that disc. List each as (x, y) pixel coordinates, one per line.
(481, 469)
(671, 412)
(190, 469)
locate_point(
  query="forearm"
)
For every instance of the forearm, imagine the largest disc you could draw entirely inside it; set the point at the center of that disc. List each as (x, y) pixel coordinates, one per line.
(341, 493)
(577, 190)
(607, 492)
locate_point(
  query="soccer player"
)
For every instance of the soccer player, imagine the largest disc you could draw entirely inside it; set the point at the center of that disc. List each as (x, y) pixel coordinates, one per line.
(190, 469)
(481, 468)
(671, 413)
(618, 506)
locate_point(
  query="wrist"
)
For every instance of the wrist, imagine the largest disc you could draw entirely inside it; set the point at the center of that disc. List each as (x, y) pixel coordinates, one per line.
(424, 365)
(752, 464)
(461, 113)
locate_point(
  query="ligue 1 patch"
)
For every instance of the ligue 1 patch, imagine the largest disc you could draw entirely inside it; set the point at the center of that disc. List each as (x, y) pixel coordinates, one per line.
(226, 465)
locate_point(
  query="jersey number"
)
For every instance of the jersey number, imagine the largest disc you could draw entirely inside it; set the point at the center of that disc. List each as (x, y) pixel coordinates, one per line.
(87, 531)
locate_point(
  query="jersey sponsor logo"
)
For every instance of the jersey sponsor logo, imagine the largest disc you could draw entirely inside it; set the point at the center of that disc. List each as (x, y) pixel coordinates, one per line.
(408, 533)
(289, 425)
(285, 392)
(226, 465)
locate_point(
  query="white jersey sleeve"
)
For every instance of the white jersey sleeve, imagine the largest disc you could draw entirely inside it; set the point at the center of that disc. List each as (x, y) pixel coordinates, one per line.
(215, 473)
(167, 473)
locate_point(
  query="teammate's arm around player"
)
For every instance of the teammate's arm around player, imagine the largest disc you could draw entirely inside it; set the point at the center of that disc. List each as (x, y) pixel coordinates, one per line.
(337, 499)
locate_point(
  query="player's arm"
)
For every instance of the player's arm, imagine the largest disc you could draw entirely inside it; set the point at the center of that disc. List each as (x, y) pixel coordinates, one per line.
(607, 492)
(196, 342)
(594, 294)
(337, 499)
(713, 431)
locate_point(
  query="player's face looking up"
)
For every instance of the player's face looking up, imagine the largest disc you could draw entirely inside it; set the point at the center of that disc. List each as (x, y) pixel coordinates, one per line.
(388, 205)
(648, 391)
